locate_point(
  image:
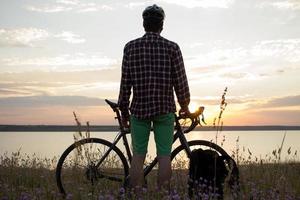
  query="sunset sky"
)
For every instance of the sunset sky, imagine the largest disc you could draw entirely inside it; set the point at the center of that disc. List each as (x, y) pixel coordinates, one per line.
(60, 56)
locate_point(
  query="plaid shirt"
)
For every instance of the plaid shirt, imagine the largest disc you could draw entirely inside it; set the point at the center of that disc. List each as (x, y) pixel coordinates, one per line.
(152, 66)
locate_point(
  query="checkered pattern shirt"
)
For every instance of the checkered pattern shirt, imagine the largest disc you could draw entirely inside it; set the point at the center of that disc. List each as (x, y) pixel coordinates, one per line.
(153, 68)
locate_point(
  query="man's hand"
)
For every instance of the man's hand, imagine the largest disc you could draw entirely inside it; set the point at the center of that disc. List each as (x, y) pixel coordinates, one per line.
(184, 112)
(125, 122)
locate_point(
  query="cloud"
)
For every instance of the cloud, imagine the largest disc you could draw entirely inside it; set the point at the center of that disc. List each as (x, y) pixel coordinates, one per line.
(276, 110)
(217, 56)
(80, 6)
(235, 75)
(216, 101)
(283, 101)
(220, 54)
(27, 37)
(132, 5)
(9, 92)
(201, 3)
(94, 89)
(288, 49)
(264, 117)
(264, 58)
(28, 88)
(64, 62)
(56, 78)
(282, 4)
(70, 37)
(54, 110)
(69, 5)
(68, 2)
(22, 37)
(48, 9)
(94, 83)
(274, 117)
(42, 101)
(247, 110)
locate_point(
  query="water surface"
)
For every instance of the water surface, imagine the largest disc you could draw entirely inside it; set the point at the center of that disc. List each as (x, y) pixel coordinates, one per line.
(259, 143)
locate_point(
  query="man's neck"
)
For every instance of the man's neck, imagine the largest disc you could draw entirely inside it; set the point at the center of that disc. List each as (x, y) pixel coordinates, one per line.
(151, 32)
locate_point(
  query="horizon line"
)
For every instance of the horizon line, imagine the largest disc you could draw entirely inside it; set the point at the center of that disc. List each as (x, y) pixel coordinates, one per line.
(107, 128)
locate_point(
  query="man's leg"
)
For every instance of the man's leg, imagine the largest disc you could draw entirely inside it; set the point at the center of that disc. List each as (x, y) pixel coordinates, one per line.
(136, 171)
(164, 172)
(163, 134)
(140, 131)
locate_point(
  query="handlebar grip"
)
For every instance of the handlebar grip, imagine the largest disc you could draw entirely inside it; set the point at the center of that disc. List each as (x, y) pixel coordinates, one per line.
(193, 115)
(194, 118)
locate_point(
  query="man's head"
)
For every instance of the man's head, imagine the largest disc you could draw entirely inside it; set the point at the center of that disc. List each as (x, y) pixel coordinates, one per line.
(153, 18)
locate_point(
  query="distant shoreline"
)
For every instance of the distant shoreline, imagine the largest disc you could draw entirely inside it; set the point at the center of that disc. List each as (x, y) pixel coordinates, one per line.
(106, 128)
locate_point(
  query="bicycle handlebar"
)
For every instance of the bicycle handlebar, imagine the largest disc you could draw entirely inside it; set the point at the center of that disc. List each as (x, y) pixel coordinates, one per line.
(194, 117)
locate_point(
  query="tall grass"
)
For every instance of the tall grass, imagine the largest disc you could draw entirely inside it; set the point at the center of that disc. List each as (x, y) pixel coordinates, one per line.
(24, 176)
(218, 123)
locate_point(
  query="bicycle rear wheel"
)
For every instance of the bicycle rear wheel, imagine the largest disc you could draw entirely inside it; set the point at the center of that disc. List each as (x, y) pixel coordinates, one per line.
(80, 174)
(181, 162)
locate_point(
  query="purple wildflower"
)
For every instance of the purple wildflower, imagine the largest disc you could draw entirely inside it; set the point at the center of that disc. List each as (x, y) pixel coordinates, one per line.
(122, 190)
(101, 197)
(69, 196)
(176, 197)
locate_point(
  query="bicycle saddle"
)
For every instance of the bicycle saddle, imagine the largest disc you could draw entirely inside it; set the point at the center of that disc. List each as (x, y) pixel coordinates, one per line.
(112, 104)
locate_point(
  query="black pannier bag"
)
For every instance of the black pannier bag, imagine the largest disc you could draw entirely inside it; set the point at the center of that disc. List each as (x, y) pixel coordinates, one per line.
(207, 173)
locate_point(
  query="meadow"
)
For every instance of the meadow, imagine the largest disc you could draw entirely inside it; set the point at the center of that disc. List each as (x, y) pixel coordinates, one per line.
(25, 177)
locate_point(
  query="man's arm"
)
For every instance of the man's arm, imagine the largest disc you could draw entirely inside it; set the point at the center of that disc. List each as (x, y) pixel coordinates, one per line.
(125, 88)
(180, 81)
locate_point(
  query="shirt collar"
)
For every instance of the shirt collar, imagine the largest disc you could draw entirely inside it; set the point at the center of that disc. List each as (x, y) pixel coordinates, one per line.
(151, 34)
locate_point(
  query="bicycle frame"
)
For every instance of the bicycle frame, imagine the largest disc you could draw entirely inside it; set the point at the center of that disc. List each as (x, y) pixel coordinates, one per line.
(123, 132)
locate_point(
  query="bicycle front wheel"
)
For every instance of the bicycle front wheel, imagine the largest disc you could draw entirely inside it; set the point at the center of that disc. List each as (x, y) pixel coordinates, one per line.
(90, 167)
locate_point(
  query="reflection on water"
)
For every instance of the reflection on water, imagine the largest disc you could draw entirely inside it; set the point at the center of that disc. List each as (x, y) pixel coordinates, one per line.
(259, 143)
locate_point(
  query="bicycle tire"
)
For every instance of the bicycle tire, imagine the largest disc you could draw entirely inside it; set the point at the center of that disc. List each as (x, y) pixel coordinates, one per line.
(233, 179)
(88, 173)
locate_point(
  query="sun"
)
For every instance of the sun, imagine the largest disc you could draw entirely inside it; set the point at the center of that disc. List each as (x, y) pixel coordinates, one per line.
(193, 106)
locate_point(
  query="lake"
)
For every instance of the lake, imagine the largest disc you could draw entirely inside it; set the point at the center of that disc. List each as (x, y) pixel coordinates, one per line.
(260, 143)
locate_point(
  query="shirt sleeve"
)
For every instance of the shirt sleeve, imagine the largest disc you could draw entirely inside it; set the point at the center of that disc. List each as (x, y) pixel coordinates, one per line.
(125, 87)
(180, 81)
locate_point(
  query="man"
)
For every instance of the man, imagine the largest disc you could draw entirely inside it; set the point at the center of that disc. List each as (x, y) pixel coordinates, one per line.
(152, 66)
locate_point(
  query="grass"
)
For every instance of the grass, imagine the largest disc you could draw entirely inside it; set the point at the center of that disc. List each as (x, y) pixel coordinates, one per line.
(29, 177)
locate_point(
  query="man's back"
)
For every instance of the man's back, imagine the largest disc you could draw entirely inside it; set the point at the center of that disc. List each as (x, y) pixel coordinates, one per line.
(154, 66)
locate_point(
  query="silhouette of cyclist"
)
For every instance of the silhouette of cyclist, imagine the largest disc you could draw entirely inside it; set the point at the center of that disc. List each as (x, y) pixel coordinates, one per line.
(153, 69)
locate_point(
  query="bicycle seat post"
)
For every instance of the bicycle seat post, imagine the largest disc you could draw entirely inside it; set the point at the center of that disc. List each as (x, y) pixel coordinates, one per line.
(115, 108)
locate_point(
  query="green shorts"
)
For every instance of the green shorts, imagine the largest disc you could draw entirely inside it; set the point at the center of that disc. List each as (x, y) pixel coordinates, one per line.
(163, 127)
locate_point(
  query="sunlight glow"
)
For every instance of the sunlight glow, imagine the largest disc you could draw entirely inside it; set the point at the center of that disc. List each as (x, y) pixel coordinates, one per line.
(193, 106)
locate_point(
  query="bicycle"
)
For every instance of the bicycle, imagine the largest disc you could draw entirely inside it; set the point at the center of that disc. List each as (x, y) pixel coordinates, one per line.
(95, 165)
